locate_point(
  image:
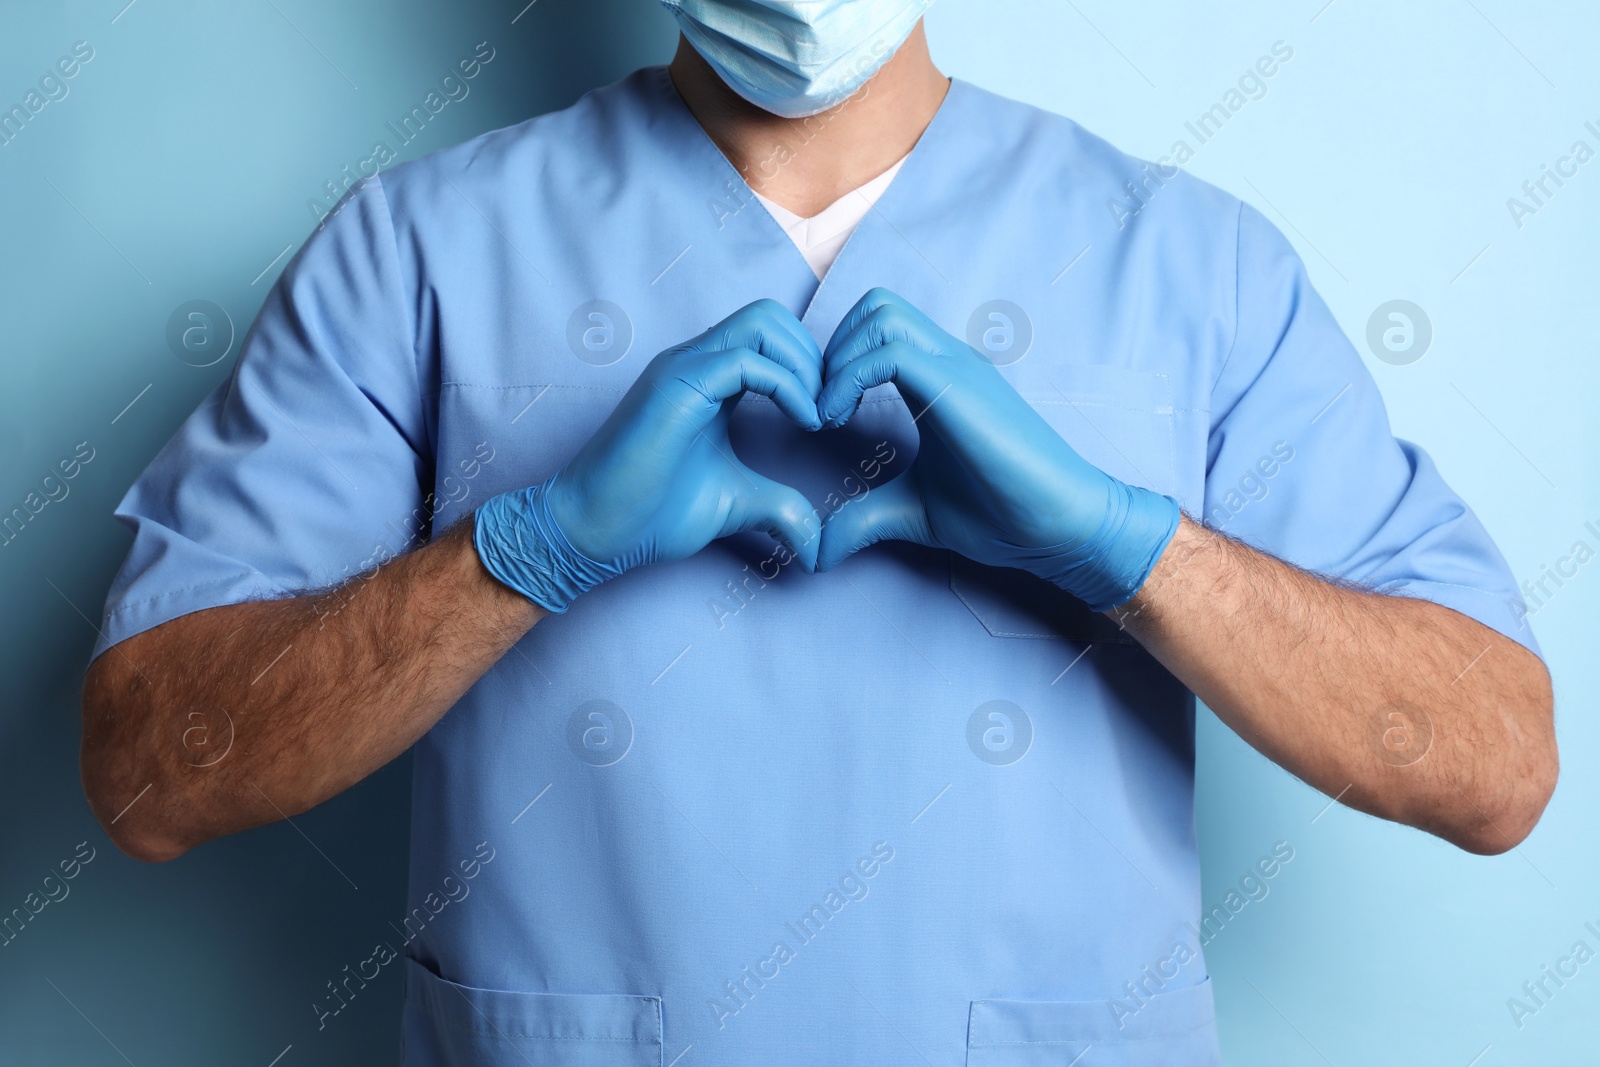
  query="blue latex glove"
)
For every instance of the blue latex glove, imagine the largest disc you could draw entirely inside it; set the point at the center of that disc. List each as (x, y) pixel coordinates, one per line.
(658, 480)
(991, 480)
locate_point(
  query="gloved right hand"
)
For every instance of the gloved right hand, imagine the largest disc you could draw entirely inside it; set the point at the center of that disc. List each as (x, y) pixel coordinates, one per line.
(992, 479)
(658, 481)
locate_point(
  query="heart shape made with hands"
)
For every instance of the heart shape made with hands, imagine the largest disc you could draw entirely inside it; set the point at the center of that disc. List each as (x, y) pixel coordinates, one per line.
(991, 480)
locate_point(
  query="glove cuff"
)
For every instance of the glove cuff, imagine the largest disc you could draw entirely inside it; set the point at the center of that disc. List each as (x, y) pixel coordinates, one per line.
(520, 543)
(1112, 566)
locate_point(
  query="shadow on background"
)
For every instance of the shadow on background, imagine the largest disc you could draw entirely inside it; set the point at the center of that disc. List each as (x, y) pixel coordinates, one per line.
(180, 163)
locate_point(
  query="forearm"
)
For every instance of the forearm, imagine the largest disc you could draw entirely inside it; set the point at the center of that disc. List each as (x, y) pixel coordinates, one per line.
(1400, 707)
(306, 696)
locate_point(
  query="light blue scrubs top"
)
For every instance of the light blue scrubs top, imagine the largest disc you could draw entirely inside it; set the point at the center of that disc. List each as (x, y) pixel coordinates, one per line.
(912, 810)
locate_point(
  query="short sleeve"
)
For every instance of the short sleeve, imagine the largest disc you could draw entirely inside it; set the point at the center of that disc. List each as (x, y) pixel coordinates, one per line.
(307, 464)
(1301, 461)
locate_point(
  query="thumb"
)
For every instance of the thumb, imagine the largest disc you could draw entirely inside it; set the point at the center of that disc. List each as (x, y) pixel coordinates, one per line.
(891, 512)
(779, 510)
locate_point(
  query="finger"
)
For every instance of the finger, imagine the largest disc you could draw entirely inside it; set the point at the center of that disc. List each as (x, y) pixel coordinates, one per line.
(769, 328)
(896, 362)
(878, 318)
(721, 376)
(891, 512)
(781, 511)
(870, 301)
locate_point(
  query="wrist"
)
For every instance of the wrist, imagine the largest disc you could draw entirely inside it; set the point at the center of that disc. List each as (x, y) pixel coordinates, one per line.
(1194, 566)
(464, 573)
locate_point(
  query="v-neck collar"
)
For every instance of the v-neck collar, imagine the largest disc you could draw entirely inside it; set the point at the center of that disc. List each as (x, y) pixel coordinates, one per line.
(912, 167)
(825, 224)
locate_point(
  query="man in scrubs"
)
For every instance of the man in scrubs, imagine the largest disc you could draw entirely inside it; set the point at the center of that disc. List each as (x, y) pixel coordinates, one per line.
(791, 520)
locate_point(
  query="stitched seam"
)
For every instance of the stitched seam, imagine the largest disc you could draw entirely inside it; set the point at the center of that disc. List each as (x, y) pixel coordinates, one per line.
(1391, 588)
(1233, 342)
(1172, 450)
(502, 1032)
(1115, 1042)
(1142, 409)
(1201, 1025)
(864, 403)
(127, 604)
(1446, 585)
(537, 385)
(992, 632)
(981, 622)
(400, 281)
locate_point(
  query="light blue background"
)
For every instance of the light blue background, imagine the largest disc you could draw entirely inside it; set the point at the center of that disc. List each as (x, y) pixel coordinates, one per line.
(181, 164)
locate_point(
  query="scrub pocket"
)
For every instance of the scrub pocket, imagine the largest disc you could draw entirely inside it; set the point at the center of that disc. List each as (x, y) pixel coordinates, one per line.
(1122, 421)
(1173, 1029)
(450, 1025)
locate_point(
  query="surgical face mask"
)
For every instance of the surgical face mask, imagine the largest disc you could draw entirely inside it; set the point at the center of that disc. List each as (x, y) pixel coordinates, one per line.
(796, 57)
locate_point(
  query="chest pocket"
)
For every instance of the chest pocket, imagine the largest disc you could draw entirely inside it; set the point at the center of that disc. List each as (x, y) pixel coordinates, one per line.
(1122, 421)
(450, 1025)
(1170, 1028)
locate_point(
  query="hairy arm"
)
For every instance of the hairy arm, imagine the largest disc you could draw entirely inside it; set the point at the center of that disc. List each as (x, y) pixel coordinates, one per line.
(314, 693)
(1399, 707)
(306, 696)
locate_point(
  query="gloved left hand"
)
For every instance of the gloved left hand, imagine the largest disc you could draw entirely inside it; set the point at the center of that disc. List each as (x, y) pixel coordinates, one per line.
(658, 481)
(991, 480)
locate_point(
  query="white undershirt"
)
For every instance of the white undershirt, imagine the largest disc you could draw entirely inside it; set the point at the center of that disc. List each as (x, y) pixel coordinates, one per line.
(822, 236)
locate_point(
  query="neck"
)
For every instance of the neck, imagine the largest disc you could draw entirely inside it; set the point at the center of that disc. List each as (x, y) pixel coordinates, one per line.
(806, 164)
